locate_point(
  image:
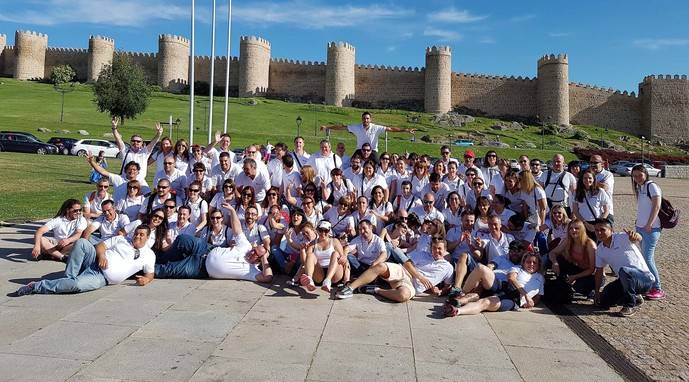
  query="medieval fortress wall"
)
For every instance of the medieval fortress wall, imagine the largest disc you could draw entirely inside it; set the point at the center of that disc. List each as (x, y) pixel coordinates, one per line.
(659, 110)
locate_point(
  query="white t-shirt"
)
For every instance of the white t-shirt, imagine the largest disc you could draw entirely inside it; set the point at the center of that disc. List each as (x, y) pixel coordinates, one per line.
(323, 165)
(383, 209)
(436, 271)
(120, 187)
(621, 253)
(367, 252)
(492, 177)
(644, 204)
(608, 179)
(440, 195)
(357, 217)
(256, 234)
(455, 234)
(231, 263)
(597, 201)
(417, 185)
(498, 248)
(300, 160)
(177, 180)
(453, 184)
(558, 186)
(275, 171)
(364, 186)
(121, 260)
(131, 227)
(260, 183)
(505, 216)
(107, 228)
(369, 135)
(214, 154)
(431, 215)
(93, 201)
(339, 224)
(406, 203)
(140, 157)
(175, 230)
(219, 176)
(533, 283)
(130, 206)
(63, 228)
(198, 209)
(530, 200)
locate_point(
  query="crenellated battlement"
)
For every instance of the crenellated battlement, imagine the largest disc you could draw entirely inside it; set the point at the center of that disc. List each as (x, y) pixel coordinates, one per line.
(173, 38)
(661, 77)
(602, 89)
(341, 45)
(438, 50)
(296, 62)
(59, 50)
(495, 77)
(254, 40)
(138, 54)
(102, 38)
(553, 59)
(32, 34)
(405, 69)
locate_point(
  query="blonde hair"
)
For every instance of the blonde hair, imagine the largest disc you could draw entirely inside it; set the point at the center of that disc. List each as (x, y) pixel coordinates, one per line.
(565, 220)
(308, 174)
(527, 183)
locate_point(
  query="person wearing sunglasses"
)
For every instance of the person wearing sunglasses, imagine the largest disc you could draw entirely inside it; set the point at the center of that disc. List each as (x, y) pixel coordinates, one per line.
(197, 205)
(132, 172)
(137, 152)
(157, 222)
(323, 162)
(67, 227)
(173, 174)
(492, 174)
(478, 190)
(181, 226)
(258, 181)
(469, 157)
(604, 178)
(131, 204)
(341, 221)
(200, 174)
(325, 261)
(224, 198)
(93, 200)
(256, 233)
(198, 156)
(524, 163)
(439, 190)
(246, 199)
(385, 167)
(164, 151)
(338, 188)
(223, 141)
(535, 165)
(157, 199)
(182, 155)
(109, 224)
(446, 156)
(367, 132)
(92, 267)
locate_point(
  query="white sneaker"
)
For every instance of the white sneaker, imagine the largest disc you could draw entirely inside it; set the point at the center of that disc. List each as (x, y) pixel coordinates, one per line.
(327, 285)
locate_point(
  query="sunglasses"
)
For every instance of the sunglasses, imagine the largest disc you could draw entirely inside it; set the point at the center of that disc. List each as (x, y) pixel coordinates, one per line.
(323, 230)
(170, 163)
(163, 187)
(248, 195)
(216, 217)
(447, 152)
(77, 210)
(199, 170)
(136, 141)
(272, 194)
(194, 190)
(366, 150)
(252, 152)
(228, 186)
(522, 161)
(428, 202)
(170, 207)
(103, 187)
(158, 217)
(478, 184)
(132, 187)
(384, 158)
(492, 156)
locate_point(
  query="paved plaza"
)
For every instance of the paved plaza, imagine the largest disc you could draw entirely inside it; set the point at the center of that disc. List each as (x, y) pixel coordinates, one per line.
(234, 331)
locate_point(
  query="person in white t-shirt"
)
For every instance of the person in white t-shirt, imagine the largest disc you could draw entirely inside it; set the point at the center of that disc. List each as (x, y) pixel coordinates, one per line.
(648, 198)
(619, 251)
(109, 224)
(559, 185)
(226, 169)
(225, 141)
(92, 200)
(137, 152)
(253, 178)
(182, 226)
(365, 250)
(323, 162)
(427, 210)
(590, 201)
(132, 172)
(165, 151)
(425, 270)
(132, 202)
(110, 262)
(67, 227)
(367, 132)
(275, 165)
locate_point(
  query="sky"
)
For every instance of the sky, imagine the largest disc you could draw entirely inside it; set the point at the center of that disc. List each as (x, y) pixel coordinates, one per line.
(609, 43)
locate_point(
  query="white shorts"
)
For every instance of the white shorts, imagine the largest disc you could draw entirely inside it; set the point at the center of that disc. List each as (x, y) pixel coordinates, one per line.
(400, 277)
(224, 263)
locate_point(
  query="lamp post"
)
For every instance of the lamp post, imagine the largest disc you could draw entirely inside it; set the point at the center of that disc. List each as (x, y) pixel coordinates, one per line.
(177, 122)
(643, 142)
(299, 120)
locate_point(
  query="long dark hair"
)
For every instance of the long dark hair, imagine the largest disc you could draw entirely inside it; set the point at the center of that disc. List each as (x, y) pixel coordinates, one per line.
(581, 191)
(636, 187)
(66, 206)
(160, 231)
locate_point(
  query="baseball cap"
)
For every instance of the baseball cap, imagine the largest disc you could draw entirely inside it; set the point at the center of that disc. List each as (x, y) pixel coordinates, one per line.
(324, 224)
(469, 153)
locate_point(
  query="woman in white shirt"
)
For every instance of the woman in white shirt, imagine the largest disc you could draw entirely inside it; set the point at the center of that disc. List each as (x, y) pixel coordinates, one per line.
(224, 199)
(197, 206)
(533, 197)
(419, 179)
(380, 207)
(67, 226)
(590, 201)
(93, 200)
(453, 212)
(648, 198)
(131, 205)
(181, 155)
(217, 234)
(325, 260)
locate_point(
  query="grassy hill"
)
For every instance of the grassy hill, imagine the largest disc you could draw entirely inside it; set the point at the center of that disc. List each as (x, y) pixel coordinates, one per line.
(27, 192)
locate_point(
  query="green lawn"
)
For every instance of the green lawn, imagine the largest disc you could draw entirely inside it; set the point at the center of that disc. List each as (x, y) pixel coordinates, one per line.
(35, 185)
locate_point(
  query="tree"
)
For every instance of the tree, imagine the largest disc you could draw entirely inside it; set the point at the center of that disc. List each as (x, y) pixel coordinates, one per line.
(62, 77)
(121, 89)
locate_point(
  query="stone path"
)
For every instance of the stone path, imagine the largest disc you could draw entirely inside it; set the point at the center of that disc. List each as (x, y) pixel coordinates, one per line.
(199, 330)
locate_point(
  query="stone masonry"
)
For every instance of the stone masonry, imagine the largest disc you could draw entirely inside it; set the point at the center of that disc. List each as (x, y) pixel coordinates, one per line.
(660, 110)
(101, 51)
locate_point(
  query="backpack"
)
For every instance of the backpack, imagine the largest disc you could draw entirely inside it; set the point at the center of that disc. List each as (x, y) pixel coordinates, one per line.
(668, 215)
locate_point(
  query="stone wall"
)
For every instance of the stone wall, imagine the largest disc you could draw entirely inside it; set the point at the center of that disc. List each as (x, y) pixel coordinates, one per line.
(298, 78)
(495, 95)
(148, 63)
(589, 105)
(76, 58)
(381, 85)
(680, 172)
(665, 107)
(101, 52)
(30, 48)
(254, 66)
(202, 70)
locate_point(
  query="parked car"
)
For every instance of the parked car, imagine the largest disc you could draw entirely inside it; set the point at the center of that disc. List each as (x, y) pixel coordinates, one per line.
(617, 164)
(514, 164)
(64, 145)
(23, 143)
(464, 142)
(94, 146)
(19, 132)
(627, 169)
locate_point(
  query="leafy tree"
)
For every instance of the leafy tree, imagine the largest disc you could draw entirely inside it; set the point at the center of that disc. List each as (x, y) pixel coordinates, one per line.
(62, 74)
(121, 89)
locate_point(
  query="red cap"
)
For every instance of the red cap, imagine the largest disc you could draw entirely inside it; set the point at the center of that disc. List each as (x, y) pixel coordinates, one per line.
(469, 153)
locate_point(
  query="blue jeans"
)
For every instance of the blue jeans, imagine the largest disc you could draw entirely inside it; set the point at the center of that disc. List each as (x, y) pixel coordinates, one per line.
(395, 254)
(648, 250)
(631, 282)
(185, 259)
(278, 261)
(82, 273)
(357, 266)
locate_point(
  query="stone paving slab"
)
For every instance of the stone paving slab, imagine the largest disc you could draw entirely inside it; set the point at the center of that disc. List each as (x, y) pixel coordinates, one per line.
(179, 330)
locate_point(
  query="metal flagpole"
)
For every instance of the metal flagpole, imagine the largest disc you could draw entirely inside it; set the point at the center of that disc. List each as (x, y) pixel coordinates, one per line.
(212, 83)
(191, 78)
(227, 68)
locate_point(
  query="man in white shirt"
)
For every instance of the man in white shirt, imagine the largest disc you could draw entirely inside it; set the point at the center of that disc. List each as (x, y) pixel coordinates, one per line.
(256, 233)
(438, 189)
(108, 224)
(619, 251)
(254, 178)
(275, 165)
(132, 172)
(366, 249)
(535, 166)
(110, 262)
(67, 227)
(323, 162)
(136, 152)
(224, 140)
(301, 157)
(176, 177)
(226, 169)
(604, 178)
(427, 210)
(559, 185)
(425, 269)
(157, 199)
(367, 132)
(291, 178)
(354, 170)
(469, 158)
(445, 156)
(341, 150)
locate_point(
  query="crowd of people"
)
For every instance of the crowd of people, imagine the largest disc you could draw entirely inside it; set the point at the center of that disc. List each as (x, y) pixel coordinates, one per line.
(486, 235)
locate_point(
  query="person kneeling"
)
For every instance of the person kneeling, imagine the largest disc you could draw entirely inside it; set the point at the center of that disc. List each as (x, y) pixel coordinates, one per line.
(110, 262)
(422, 273)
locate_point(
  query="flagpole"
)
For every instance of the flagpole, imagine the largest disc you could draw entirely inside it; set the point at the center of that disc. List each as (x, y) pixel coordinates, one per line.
(191, 78)
(212, 82)
(227, 67)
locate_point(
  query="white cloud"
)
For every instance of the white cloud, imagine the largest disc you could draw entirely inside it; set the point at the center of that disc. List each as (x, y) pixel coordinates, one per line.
(522, 18)
(442, 34)
(658, 43)
(391, 48)
(109, 12)
(559, 34)
(487, 40)
(453, 15)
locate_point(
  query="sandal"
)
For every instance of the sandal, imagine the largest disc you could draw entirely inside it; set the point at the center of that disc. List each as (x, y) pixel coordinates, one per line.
(455, 293)
(450, 310)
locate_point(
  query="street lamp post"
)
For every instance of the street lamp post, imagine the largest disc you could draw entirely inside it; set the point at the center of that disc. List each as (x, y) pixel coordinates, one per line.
(643, 142)
(299, 120)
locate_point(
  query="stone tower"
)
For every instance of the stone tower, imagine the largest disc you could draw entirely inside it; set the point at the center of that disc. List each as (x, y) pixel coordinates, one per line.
(30, 50)
(438, 80)
(339, 74)
(3, 43)
(665, 107)
(173, 62)
(552, 94)
(101, 51)
(254, 66)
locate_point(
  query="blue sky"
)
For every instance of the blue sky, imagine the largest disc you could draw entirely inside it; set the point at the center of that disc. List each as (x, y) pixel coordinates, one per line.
(609, 43)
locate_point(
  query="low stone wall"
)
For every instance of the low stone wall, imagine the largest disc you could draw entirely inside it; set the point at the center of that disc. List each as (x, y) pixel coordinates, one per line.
(680, 172)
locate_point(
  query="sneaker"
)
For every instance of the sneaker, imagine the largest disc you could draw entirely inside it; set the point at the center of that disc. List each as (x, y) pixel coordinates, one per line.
(455, 293)
(292, 283)
(64, 258)
(367, 289)
(450, 310)
(307, 282)
(344, 293)
(327, 285)
(24, 290)
(639, 299)
(655, 294)
(627, 311)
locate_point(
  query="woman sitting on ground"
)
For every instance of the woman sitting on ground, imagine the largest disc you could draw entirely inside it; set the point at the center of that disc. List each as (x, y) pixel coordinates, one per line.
(574, 259)
(523, 289)
(131, 204)
(558, 226)
(157, 223)
(67, 227)
(93, 199)
(325, 262)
